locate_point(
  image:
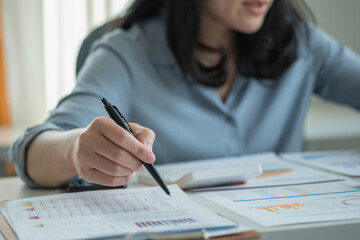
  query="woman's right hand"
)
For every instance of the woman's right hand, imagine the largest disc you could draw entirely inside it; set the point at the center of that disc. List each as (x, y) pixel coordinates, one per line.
(107, 154)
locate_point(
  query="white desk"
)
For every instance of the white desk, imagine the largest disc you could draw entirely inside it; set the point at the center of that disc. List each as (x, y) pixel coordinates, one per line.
(13, 188)
(331, 126)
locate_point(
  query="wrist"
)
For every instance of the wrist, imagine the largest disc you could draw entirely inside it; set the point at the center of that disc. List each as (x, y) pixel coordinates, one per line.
(70, 154)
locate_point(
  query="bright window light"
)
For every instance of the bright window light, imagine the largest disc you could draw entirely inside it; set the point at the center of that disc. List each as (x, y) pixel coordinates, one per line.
(66, 24)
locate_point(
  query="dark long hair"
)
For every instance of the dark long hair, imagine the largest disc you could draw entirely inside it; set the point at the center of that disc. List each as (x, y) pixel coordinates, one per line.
(265, 54)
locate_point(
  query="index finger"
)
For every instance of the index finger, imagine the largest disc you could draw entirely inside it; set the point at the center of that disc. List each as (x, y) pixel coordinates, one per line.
(127, 141)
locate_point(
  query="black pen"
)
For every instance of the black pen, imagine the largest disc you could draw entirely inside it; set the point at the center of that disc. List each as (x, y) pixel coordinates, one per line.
(115, 114)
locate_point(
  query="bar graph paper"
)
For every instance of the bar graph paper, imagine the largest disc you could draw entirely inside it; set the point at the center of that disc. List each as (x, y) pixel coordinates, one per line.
(108, 213)
(295, 204)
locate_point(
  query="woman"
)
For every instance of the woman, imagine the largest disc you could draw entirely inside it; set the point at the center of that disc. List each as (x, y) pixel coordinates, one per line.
(211, 78)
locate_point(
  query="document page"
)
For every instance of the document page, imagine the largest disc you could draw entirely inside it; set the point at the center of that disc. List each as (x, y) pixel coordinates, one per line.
(344, 162)
(108, 213)
(307, 203)
(209, 172)
(280, 173)
(275, 172)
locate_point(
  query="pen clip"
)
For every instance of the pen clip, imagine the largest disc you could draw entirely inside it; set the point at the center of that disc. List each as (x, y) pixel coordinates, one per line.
(123, 118)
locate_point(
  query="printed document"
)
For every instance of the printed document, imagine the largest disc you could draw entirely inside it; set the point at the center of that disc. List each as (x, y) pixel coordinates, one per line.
(343, 162)
(293, 204)
(209, 172)
(277, 172)
(108, 213)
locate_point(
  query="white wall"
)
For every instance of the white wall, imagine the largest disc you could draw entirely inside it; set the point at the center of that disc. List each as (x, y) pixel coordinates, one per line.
(24, 59)
(42, 40)
(340, 18)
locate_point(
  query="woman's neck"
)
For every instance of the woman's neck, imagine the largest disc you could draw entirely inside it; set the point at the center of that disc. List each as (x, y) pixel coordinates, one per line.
(216, 35)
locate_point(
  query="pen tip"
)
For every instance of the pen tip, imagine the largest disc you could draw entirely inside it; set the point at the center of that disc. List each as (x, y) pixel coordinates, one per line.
(169, 195)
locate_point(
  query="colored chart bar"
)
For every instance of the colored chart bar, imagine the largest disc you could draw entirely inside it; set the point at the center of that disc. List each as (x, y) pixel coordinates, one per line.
(274, 173)
(277, 208)
(158, 223)
(351, 202)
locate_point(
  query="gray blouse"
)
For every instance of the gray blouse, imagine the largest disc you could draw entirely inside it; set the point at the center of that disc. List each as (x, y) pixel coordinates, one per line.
(136, 71)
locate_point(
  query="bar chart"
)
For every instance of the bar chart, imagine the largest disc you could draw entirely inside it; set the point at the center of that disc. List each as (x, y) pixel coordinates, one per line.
(169, 222)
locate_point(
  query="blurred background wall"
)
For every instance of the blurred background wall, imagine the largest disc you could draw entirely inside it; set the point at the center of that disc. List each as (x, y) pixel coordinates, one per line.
(339, 18)
(331, 126)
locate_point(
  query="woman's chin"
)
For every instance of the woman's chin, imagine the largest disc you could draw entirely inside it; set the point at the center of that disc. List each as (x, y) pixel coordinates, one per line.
(250, 30)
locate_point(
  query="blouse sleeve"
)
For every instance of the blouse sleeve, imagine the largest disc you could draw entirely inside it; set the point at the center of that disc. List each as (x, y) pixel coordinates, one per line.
(104, 74)
(337, 68)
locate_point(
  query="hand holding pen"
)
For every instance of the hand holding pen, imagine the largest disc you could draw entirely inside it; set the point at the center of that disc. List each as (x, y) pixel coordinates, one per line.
(115, 114)
(107, 154)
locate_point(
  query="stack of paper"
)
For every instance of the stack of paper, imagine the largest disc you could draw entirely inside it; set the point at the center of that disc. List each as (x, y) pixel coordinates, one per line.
(209, 172)
(344, 162)
(306, 203)
(111, 213)
(275, 172)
